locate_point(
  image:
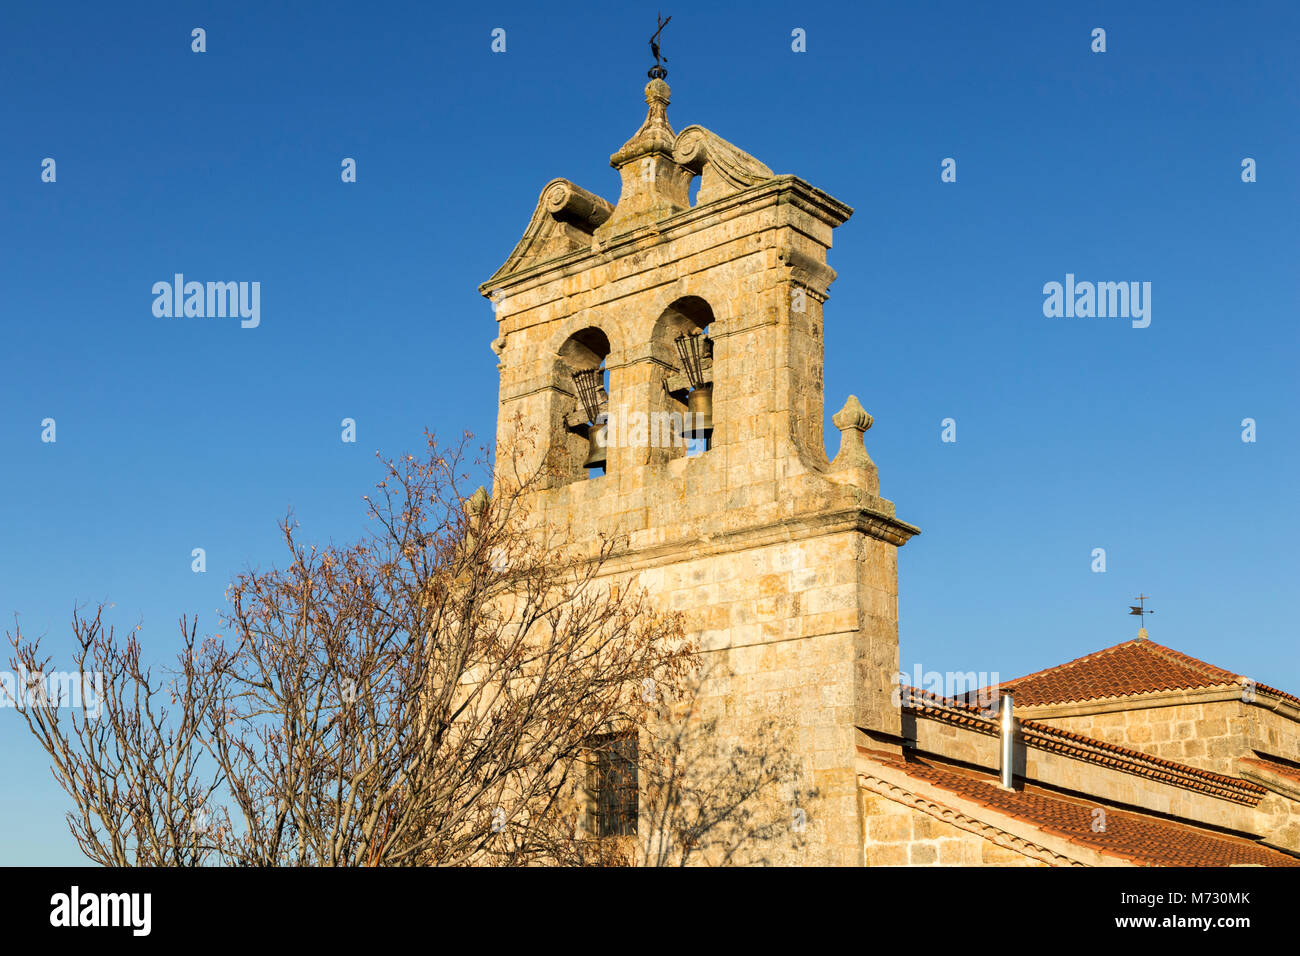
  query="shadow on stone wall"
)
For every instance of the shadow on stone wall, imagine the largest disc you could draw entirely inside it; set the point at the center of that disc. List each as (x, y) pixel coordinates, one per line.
(719, 790)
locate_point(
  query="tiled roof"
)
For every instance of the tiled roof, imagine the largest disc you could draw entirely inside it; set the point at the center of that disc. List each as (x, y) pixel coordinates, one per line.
(1079, 747)
(1135, 837)
(1139, 666)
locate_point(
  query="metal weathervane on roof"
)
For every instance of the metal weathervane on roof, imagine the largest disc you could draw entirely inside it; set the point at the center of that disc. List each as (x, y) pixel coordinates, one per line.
(1141, 611)
(657, 72)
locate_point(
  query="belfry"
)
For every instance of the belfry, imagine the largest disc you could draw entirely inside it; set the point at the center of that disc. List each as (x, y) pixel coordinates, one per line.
(710, 313)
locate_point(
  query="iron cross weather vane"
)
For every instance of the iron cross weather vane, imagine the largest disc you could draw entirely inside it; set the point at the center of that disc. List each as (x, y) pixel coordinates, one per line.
(657, 72)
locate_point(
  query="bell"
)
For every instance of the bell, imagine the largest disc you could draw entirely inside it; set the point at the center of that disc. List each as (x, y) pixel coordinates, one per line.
(699, 410)
(596, 435)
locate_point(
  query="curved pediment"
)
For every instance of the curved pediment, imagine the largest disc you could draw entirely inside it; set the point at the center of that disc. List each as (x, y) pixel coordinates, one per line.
(723, 168)
(563, 221)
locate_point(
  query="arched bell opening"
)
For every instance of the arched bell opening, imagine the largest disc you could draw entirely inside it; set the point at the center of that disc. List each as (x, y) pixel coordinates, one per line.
(581, 373)
(682, 344)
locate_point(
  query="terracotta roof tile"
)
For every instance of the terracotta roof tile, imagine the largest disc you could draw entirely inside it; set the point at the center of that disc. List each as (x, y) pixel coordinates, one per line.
(1136, 837)
(1140, 666)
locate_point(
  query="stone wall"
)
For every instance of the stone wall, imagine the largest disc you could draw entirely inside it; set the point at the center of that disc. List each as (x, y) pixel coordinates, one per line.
(1279, 822)
(1209, 735)
(786, 631)
(896, 835)
(1273, 733)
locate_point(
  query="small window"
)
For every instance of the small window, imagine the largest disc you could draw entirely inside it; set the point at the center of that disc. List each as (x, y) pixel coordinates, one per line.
(614, 785)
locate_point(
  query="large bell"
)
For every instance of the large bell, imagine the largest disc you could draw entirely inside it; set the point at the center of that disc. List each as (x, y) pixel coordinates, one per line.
(699, 409)
(596, 435)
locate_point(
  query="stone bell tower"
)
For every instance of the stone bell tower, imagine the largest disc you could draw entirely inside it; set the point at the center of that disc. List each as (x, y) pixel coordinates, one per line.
(670, 358)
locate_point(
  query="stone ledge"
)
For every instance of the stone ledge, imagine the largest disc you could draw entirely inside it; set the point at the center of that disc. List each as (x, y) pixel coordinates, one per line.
(881, 527)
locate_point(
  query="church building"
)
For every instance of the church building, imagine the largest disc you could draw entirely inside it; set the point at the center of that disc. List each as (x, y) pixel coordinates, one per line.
(668, 350)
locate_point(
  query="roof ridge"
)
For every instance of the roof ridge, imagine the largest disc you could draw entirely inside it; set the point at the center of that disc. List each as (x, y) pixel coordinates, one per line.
(1093, 677)
(1077, 660)
(1137, 666)
(1195, 663)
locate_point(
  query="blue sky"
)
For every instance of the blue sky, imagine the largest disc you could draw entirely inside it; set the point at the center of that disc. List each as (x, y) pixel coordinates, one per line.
(1072, 434)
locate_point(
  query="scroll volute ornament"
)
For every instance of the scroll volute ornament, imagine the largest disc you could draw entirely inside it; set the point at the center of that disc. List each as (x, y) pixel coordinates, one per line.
(723, 168)
(573, 204)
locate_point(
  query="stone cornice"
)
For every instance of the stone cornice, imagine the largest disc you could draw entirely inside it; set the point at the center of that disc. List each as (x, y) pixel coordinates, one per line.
(798, 528)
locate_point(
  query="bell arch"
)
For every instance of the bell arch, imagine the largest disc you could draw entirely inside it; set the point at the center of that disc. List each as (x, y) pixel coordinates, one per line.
(681, 342)
(578, 440)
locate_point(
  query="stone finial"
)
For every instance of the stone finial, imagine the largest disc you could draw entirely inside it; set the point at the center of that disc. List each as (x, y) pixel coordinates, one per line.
(853, 420)
(655, 134)
(654, 185)
(852, 415)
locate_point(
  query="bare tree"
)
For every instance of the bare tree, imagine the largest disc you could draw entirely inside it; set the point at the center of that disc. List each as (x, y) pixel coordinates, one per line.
(434, 694)
(424, 696)
(131, 762)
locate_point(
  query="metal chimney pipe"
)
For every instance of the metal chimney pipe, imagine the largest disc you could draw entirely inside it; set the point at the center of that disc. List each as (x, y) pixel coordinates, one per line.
(1008, 737)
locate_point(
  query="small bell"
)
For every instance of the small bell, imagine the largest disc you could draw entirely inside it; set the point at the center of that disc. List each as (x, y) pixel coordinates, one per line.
(591, 392)
(695, 350)
(699, 411)
(596, 436)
